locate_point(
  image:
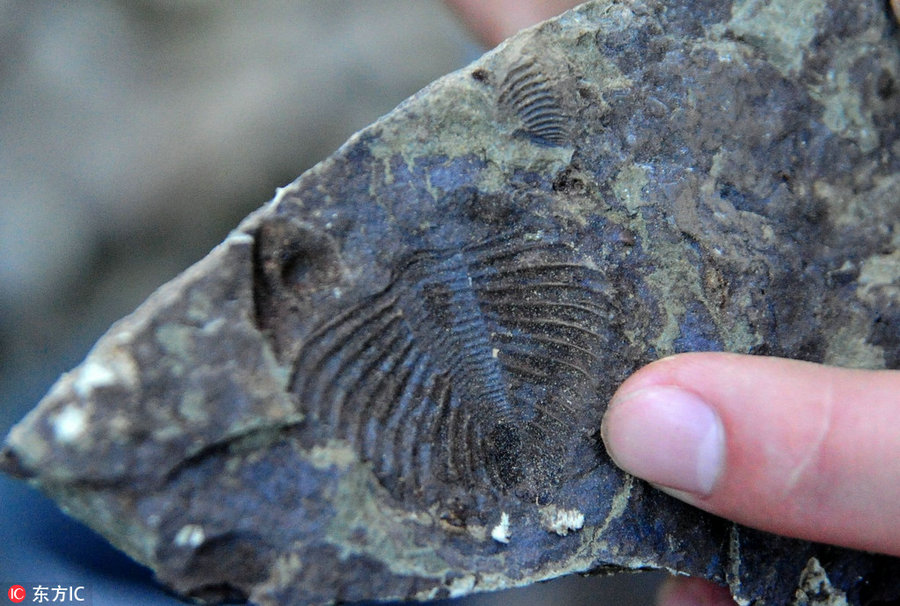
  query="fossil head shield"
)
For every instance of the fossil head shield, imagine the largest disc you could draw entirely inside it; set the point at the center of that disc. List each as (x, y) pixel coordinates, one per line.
(388, 382)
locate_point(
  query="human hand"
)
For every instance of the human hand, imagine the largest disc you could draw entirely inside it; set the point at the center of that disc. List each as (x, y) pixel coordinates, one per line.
(495, 20)
(789, 447)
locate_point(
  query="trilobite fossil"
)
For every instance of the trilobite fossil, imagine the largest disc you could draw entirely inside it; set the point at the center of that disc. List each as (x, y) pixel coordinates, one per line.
(529, 93)
(469, 371)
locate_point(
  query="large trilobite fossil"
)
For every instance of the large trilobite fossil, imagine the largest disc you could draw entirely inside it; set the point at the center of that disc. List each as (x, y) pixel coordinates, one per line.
(388, 382)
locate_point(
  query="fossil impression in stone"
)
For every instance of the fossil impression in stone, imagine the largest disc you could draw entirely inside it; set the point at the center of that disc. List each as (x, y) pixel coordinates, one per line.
(388, 382)
(529, 93)
(466, 373)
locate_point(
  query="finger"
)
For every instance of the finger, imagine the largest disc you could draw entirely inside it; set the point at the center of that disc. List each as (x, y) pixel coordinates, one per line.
(790, 447)
(493, 21)
(683, 591)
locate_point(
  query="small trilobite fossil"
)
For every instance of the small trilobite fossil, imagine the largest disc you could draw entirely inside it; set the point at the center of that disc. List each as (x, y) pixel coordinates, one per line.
(533, 96)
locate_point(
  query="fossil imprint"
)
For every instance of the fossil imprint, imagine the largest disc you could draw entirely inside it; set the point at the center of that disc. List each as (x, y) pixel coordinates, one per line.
(388, 382)
(469, 372)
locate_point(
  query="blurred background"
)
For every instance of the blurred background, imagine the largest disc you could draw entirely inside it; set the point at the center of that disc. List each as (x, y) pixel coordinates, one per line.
(134, 134)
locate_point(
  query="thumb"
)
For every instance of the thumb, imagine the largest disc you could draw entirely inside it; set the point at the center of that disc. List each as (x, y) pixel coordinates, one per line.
(790, 447)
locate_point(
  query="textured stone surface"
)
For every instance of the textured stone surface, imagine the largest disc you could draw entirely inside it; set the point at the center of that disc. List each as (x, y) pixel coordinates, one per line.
(388, 382)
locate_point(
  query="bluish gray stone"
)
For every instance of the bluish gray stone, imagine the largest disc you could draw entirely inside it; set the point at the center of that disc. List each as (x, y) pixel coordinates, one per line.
(388, 382)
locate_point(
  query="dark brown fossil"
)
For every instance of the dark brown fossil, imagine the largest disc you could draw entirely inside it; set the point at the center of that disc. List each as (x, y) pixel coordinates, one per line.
(388, 382)
(470, 372)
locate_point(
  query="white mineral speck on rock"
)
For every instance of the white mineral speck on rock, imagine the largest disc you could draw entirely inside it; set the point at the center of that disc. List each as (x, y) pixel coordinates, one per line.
(462, 586)
(561, 521)
(238, 237)
(500, 532)
(92, 375)
(69, 424)
(815, 588)
(190, 535)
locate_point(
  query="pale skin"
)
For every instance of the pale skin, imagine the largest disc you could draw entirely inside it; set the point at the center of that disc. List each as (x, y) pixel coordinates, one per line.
(799, 449)
(808, 451)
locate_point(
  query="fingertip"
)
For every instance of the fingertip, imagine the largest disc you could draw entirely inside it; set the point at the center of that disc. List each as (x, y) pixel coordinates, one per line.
(492, 22)
(686, 591)
(666, 435)
(666, 371)
(789, 447)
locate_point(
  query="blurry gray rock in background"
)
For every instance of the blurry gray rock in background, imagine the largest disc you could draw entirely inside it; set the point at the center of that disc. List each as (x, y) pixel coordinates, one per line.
(145, 130)
(133, 136)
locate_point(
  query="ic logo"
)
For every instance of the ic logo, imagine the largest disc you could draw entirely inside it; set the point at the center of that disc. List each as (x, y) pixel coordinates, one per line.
(16, 594)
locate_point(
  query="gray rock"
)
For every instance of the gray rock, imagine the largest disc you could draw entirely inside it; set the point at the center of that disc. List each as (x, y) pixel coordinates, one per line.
(136, 134)
(388, 382)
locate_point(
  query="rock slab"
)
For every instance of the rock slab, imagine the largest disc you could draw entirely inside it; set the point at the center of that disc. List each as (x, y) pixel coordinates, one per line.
(388, 382)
